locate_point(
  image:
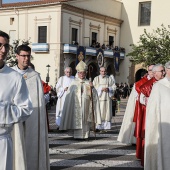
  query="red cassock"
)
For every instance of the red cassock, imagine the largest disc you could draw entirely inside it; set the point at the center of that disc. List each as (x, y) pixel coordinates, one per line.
(137, 117)
(146, 90)
(46, 87)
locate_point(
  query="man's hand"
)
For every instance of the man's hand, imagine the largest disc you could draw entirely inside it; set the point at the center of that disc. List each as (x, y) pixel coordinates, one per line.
(66, 89)
(105, 89)
(91, 84)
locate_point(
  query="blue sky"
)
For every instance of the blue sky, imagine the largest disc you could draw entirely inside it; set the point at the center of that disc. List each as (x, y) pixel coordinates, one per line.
(13, 1)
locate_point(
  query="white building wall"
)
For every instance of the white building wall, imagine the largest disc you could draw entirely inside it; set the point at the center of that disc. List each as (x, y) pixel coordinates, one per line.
(110, 8)
(130, 31)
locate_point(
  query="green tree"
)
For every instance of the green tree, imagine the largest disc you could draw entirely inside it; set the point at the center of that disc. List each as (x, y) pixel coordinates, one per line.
(11, 58)
(152, 48)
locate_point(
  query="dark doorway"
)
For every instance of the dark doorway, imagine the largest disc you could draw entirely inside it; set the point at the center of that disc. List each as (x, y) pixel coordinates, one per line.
(94, 72)
(110, 70)
(139, 74)
(73, 66)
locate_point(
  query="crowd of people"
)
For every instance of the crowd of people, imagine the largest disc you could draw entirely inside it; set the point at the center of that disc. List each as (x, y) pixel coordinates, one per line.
(82, 105)
(146, 120)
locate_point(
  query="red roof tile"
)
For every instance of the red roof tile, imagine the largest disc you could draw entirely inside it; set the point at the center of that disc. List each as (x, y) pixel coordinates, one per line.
(36, 2)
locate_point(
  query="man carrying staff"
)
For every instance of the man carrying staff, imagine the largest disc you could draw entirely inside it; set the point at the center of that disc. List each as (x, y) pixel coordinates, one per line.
(15, 105)
(77, 111)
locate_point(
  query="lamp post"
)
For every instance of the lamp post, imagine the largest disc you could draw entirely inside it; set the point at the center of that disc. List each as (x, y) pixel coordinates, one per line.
(48, 77)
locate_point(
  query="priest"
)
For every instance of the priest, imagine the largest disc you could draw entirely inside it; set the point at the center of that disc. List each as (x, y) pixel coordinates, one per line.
(146, 88)
(105, 87)
(35, 129)
(61, 89)
(78, 113)
(126, 134)
(15, 105)
(157, 149)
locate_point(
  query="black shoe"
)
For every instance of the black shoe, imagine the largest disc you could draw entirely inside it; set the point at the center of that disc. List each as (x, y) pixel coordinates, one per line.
(97, 130)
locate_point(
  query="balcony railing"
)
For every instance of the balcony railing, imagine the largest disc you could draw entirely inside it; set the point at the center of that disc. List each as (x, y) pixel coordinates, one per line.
(69, 48)
(40, 47)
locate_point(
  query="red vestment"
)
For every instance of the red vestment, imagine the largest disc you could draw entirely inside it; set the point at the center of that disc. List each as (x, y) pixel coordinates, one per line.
(46, 87)
(137, 117)
(146, 90)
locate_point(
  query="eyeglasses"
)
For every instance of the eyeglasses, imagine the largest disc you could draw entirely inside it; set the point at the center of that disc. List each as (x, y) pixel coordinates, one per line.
(4, 45)
(25, 56)
(161, 71)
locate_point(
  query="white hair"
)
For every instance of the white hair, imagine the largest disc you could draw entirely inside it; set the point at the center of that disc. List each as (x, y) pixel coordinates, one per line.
(102, 67)
(156, 66)
(167, 64)
(68, 68)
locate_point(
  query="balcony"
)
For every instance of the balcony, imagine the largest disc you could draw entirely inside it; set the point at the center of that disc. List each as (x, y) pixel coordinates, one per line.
(90, 51)
(40, 47)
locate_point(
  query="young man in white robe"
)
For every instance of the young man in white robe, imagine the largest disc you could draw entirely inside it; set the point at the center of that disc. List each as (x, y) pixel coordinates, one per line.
(157, 147)
(105, 87)
(35, 129)
(61, 89)
(77, 111)
(15, 105)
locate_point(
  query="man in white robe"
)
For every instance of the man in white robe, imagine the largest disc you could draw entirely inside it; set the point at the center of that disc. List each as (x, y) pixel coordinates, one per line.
(15, 105)
(35, 129)
(105, 87)
(126, 134)
(157, 147)
(77, 111)
(61, 89)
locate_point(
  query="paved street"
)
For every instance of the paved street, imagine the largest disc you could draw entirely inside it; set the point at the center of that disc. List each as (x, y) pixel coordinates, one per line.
(102, 153)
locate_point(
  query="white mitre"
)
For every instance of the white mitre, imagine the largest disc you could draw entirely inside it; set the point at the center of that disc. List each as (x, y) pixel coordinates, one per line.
(81, 66)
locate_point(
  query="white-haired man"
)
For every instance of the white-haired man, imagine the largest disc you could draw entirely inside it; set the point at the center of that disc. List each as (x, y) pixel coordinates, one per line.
(126, 134)
(61, 88)
(145, 89)
(105, 87)
(77, 111)
(157, 149)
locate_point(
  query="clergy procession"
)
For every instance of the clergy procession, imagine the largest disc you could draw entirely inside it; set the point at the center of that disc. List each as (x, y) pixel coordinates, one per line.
(83, 106)
(146, 121)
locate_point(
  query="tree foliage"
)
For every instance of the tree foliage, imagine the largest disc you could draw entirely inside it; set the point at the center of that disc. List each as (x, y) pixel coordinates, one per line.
(152, 48)
(11, 57)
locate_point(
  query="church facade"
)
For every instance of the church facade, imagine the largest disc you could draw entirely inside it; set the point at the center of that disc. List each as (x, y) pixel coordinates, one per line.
(62, 32)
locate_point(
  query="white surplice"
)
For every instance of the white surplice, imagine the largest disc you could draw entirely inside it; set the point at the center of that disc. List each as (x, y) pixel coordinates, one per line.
(35, 128)
(126, 134)
(157, 145)
(105, 100)
(15, 106)
(62, 83)
(77, 110)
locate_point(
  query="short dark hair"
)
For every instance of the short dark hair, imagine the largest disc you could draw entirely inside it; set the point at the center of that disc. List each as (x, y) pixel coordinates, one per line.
(23, 48)
(4, 34)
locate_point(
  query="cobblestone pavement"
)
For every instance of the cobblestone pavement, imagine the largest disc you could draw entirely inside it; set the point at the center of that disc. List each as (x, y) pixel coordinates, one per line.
(102, 153)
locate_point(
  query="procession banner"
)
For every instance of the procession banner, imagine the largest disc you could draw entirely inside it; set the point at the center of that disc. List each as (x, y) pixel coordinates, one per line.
(100, 57)
(81, 53)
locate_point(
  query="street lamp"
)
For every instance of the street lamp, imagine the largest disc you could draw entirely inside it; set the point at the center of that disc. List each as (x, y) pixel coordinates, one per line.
(48, 77)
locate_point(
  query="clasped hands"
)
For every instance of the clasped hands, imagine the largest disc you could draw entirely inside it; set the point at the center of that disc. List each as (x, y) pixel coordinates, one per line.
(105, 89)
